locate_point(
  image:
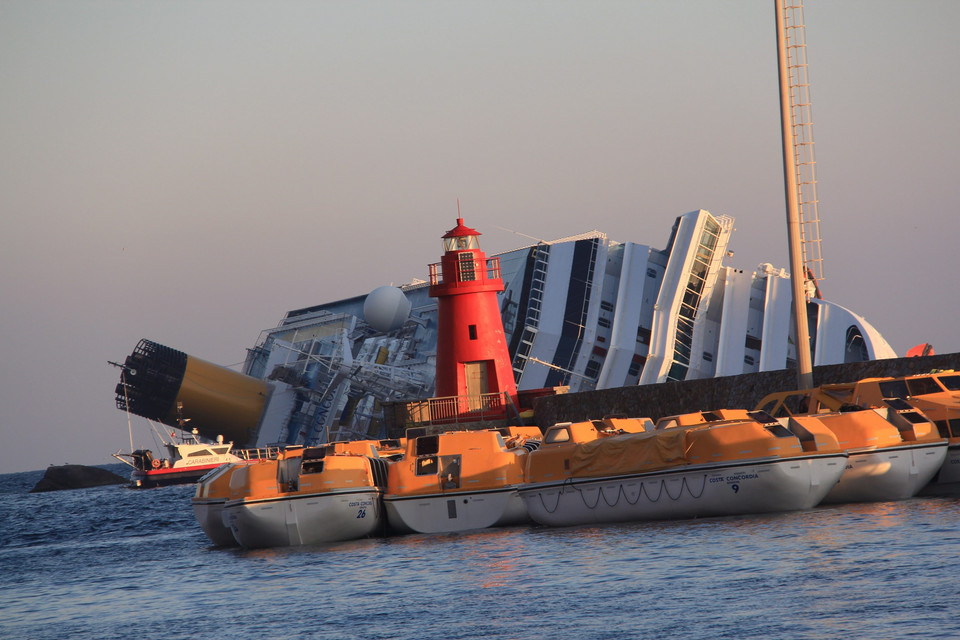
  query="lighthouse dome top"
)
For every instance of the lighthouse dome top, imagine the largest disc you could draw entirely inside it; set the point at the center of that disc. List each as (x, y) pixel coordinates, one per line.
(461, 237)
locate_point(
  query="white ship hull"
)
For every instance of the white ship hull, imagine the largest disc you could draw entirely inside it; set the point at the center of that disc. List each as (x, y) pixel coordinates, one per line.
(694, 491)
(461, 511)
(894, 473)
(304, 520)
(210, 516)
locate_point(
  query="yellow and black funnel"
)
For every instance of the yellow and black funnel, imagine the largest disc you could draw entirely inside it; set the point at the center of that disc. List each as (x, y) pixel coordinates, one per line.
(215, 400)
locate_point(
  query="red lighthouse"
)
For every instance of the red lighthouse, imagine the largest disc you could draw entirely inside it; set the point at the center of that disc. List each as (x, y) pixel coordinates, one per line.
(472, 355)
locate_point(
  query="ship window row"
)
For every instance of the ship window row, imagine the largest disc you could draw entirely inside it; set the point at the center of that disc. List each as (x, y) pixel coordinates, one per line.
(592, 369)
(208, 452)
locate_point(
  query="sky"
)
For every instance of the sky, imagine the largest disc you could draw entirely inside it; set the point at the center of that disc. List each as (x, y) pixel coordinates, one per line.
(187, 172)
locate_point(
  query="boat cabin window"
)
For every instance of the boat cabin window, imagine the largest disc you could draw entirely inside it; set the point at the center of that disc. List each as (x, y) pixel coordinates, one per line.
(762, 417)
(201, 452)
(898, 404)
(312, 466)
(894, 389)
(954, 427)
(427, 466)
(952, 383)
(428, 445)
(313, 460)
(914, 417)
(710, 416)
(923, 386)
(557, 434)
(771, 424)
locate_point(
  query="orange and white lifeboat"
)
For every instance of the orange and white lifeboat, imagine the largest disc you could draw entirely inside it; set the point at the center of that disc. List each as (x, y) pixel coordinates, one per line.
(309, 496)
(459, 481)
(894, 449)
(691, 465)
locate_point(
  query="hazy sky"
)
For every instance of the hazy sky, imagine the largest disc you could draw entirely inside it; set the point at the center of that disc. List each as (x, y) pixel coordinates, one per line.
(188, 172)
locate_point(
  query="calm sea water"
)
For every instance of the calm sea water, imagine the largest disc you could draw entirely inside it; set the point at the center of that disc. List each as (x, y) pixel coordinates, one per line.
(112, 562)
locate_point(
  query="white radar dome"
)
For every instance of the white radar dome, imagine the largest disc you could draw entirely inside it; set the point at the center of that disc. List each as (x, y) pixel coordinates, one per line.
(386, 308)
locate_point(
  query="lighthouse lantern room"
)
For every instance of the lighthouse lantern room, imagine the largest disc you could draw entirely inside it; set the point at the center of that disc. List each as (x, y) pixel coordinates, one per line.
(473, 360)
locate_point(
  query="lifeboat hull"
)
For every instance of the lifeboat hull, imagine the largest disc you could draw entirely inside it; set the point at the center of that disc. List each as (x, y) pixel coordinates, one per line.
(893, 473)
(776, 485)
(209, 514)
(455, 511)
(304, 519)
(946, 482)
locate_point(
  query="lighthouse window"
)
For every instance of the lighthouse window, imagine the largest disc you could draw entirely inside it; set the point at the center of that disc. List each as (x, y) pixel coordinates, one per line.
(472, 329)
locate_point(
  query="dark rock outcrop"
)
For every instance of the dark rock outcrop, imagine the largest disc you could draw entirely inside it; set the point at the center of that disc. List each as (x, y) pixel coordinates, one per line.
(75, 476)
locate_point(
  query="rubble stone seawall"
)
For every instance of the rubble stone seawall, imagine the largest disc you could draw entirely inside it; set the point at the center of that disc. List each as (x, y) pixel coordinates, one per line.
(738, 392)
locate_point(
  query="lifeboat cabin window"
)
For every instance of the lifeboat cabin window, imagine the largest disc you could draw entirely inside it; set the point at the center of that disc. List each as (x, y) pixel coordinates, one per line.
(428, 445)
(894, 389)
(923, 386)
(952, 383)
(557, 434)
(312, 466)
(954, 426)
(427, 466)
(312, 460)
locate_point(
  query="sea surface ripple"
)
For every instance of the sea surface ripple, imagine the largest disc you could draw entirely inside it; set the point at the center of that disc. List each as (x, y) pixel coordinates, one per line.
(111, 562)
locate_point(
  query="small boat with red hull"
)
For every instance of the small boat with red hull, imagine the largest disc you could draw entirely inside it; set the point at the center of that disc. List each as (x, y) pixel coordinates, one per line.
(187, 461)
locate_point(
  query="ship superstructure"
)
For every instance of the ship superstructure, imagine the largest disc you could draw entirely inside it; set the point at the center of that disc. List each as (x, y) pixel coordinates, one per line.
(583, 312)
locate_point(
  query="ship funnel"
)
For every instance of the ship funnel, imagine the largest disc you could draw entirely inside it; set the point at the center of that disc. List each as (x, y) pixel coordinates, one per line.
(215, 400)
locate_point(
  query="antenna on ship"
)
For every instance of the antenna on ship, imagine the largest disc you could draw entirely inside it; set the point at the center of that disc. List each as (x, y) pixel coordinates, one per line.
(799, 185)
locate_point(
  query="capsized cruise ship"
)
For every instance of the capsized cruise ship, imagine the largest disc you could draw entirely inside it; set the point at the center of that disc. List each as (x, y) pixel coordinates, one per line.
(583, 312)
